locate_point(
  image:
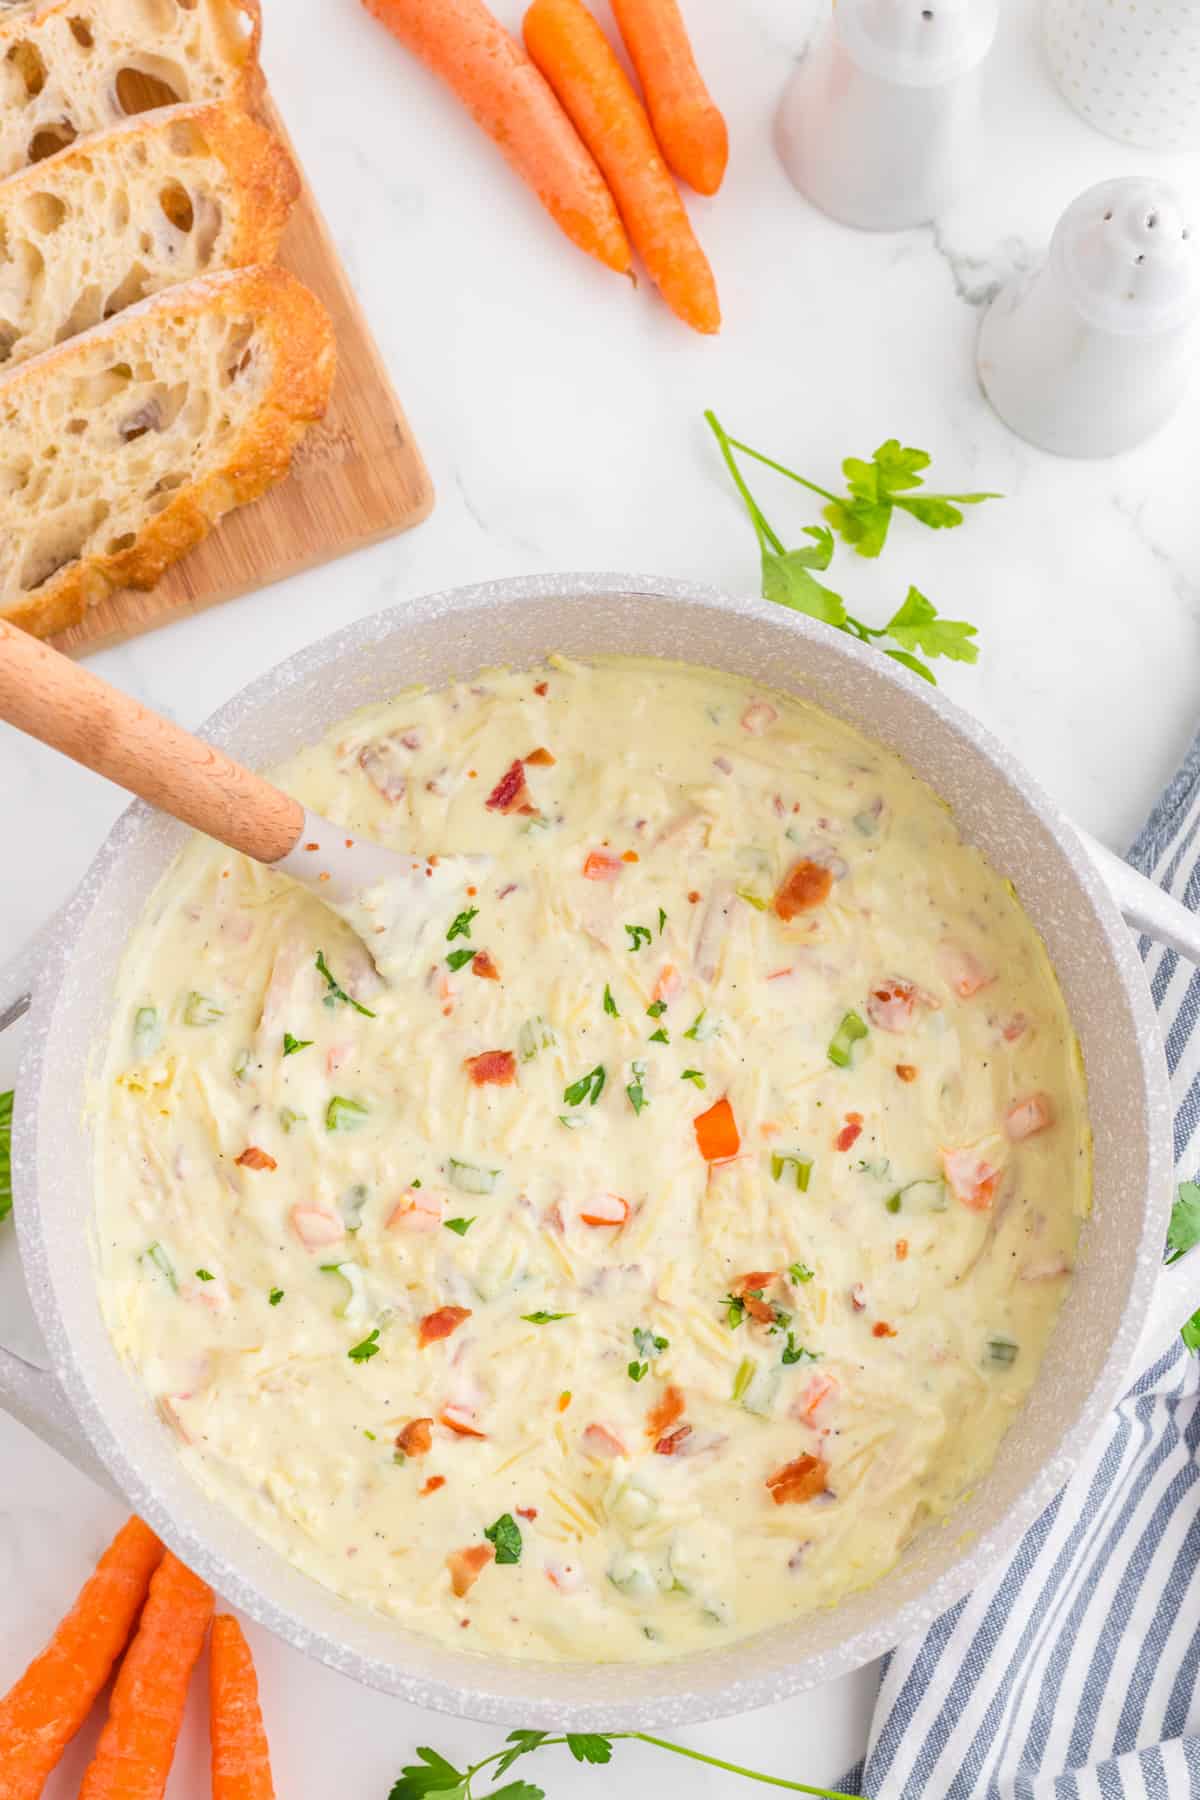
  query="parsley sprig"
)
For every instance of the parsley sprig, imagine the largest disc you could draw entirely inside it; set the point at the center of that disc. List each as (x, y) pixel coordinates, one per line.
(1183, 1234)
(433, 1774)
(861, 517)
(336, 991)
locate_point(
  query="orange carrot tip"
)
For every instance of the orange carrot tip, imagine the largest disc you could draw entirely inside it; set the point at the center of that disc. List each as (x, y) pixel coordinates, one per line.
(241, 1763)
(687, 121)
(467, 48)
(580, 64)
(41, 1714)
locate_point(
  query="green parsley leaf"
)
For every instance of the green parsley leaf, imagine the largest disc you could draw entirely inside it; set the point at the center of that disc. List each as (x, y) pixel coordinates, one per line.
(367, 1349)
(589, 1746)
(336, 992)
(1183, 1233)
(457, 958)
(800, 1273)
(589, 1087)
(660, 1036)
(636, 1092)
(205, 1275)
(462, 924)
(292, 1044)
(460, 1226)
(544, 1318)
(787, 581)
(505, 1535)
(275, 1296)
(638, 935)
(6, 1118)
(917, 626)
(656, 1009)
(635, 1370)
(735, 1310)
(662, 919)
(794, 1352)
(1191, 1332)
(610, 1005)
(518, 1790)
(523, 1742)
(695, 1077)
(914, 663)
(433, 1775)
(647, 1343)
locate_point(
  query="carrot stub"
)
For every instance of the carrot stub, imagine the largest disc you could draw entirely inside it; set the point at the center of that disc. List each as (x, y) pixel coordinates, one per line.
(133, 1758)
(461, 42)
(241, 1762)
(717, 1133)
(44, 1709)
(577, 60)
(687, 122)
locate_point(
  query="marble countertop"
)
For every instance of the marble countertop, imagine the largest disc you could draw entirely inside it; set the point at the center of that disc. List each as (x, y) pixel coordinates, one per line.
(560, 413)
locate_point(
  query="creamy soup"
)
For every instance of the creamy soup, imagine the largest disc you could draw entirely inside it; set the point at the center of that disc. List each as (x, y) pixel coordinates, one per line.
(677, 1244)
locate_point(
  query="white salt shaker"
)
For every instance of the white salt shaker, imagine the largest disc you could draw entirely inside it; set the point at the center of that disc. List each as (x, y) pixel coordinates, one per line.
(1131, 70)
(880, 123)
(1090, 353)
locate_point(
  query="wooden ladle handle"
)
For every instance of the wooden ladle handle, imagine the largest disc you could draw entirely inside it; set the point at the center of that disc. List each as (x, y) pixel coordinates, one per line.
(50, 697)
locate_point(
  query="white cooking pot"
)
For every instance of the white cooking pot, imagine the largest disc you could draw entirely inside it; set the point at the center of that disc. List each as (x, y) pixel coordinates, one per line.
(86, 1402)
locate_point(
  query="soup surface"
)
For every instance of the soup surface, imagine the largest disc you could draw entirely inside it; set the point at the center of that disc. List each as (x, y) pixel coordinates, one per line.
(651, 1267)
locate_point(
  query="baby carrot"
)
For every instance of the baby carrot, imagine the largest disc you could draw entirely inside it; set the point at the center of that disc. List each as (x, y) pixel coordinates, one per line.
(241, 1764)
(577, 60)
(486, 68)
(687, 121)
(41, 1714)
(136, 1748)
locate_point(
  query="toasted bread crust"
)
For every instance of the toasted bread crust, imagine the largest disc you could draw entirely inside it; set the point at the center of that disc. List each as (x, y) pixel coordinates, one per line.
(300, 336)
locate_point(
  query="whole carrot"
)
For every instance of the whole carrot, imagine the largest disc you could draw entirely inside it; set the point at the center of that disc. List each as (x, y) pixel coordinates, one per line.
(241, 1764)
(577, 60)
(133, 1758)
(687, 121)
(461, 42)
(41, 1714)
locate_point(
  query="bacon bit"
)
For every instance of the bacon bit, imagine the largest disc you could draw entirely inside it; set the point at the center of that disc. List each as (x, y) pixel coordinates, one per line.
(416, 1438)
(312, 846)
(882, 1329)
(541, 687)
(757, 1278)
(471, 892)
(665, 1412)
(758, 716)
(758, 1308)
(458, 1419)
(858, 1297)
(901, 1249)
(630, 856)
(315, 1227)
(805, 886)
(526, 1512)
(610, 1210)
(1025, 1118)
(693, 897)
(907, 1071)
(891, 1005)
(802, 1479)
(499, 1067)
(416, 1211)
(254, 1158)
(511, 793)
(673, 1443)
(668, 984)
(850, 1133)
(541, 759)
(598, 1440)
(483, 966)
(600, 865)
(970, 1177)
(441, 1324)
(819, 1389)
(717, 1133)
(466, 1566)
(432, 1485)
(964, 972)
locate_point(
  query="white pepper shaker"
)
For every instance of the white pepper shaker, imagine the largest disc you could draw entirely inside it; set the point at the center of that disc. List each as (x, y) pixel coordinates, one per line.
(1090, 353)
(880, 123)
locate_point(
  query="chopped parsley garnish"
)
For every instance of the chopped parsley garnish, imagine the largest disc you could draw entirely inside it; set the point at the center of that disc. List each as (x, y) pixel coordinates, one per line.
(735, 1310)
(163, 1264)
(367, 1349)
(648, 1343)
(589, 1087)
(459, 1226)
(656, 1009)
(694, 1076)
(205, 1275)
(462, 924)
(344, 1115)
(795, 1353)
(802, 1165)
(701, 1029)
(639, 935)
(534, 1036)
(635, 1370)
(1183, 1233)
(457, 958)
(336, 992)
(610, 1005)
(661, 1036)
(800, 1273)
(636, 1092)
(662, 919)
(275, 1296)
(292, 1044)
(544, 1318)
(505, 1536)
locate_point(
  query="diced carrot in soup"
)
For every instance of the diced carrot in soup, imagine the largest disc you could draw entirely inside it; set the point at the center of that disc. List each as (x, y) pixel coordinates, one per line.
(717, 1133)
(806, 885)
(461, 1420)
(441, 1324)
(1025, 1118)
(665, 1412)
(601, 865)
(605, 1209)
(802, 1479)
(415, 1438)
(495, 1067)
(970, 1177)
(466, 1566)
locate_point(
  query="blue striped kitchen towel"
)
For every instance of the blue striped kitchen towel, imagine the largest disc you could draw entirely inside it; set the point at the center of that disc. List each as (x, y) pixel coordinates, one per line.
(1072, 1673)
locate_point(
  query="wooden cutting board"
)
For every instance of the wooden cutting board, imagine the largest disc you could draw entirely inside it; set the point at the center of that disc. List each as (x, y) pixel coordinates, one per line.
(357, 476)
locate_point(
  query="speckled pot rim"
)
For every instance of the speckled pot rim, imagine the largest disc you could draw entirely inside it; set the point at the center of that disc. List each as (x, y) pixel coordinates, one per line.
(794, 1673)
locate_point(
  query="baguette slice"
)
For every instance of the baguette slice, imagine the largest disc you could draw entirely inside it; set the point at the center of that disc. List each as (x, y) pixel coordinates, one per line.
(184, 191)
(120, 449)
(70, 67)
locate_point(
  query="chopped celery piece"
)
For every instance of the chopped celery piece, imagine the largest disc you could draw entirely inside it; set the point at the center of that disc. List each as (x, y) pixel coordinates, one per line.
(147, 1030)
(576, 1121)
(632, 1575)
(162, 1262)
(534, 1036)
(345, 1115)
(702, 1028)
(791, 1159)
(848, 1033)
(289, 1119)
(351, 1205)
(472, 1179)
(200, 1010)
(241, 1063)
(754, 900)
(743, 1378)
(354, 1305)
(866, 823)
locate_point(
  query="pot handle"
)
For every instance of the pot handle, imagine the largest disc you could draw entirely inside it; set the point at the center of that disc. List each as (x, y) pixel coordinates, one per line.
(36, 1398)
(1144, 905)
(17, 975)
